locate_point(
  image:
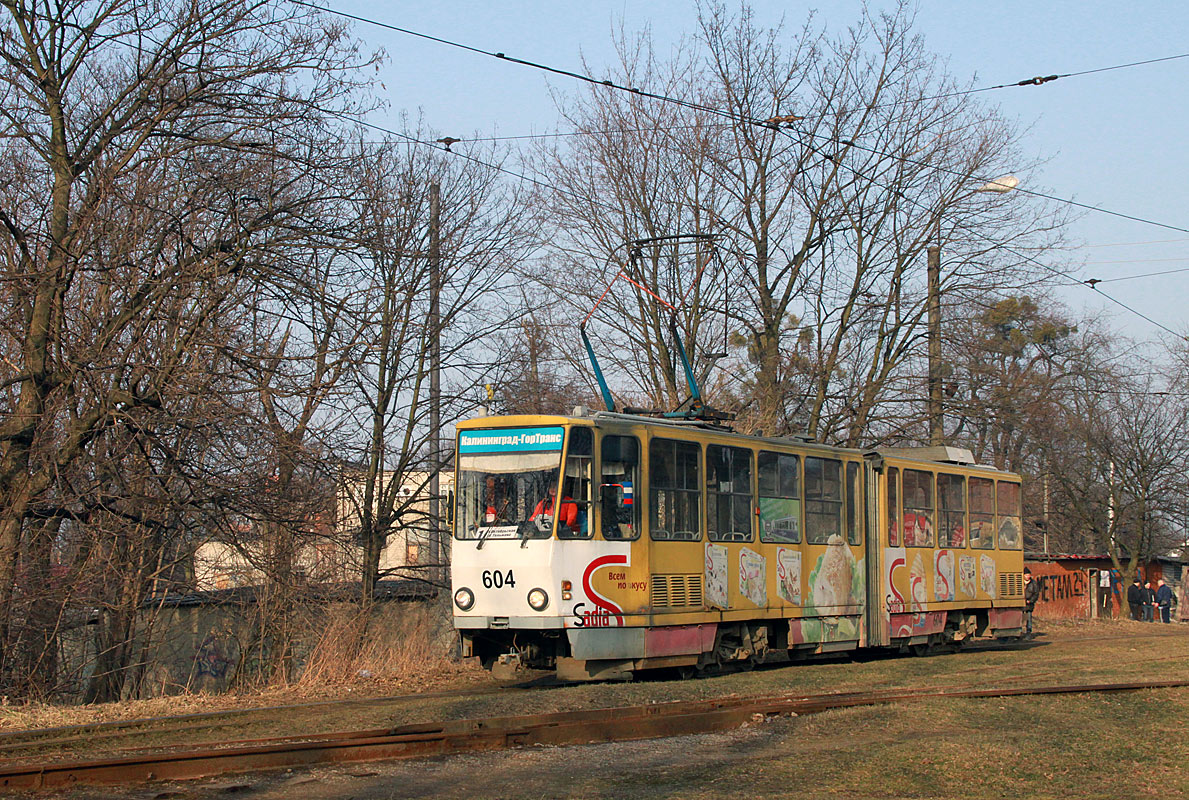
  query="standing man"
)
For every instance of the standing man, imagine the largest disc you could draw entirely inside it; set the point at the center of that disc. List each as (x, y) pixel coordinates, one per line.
(1164, 600)
(1149, 600)
(1135, 599)
(1031, 595)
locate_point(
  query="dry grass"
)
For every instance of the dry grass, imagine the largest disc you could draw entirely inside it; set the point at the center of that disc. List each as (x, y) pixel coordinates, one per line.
(404, 644)
(399, 650)
(400, 663)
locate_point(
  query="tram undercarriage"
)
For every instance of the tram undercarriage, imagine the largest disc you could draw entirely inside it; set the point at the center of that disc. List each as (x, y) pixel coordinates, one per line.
(706, 649)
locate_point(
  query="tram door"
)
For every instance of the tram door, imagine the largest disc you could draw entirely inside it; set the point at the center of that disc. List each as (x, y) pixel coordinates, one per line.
(874, 628)
(674, 485)
(856, 534)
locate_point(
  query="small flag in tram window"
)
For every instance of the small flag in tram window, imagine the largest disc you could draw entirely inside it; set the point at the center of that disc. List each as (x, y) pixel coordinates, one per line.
(627, 493)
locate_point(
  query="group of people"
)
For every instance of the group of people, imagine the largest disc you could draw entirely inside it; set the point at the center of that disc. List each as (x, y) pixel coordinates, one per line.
(1144, 601)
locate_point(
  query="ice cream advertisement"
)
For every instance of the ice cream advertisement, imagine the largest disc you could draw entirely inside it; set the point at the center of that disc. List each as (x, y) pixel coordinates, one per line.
(943, 576)
(788, 575)
(986, 574)
(966, 573)
(716, 575)
(753, 577)
(832, 582)
(836, 592)
(918, 593)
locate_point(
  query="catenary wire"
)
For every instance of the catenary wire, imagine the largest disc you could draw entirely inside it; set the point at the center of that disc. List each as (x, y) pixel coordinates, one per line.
(737, 117)
(768, 123)
(1144, 275)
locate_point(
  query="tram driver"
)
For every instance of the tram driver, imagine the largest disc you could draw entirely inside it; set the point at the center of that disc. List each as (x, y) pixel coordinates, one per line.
(496, 501)
(567, 514)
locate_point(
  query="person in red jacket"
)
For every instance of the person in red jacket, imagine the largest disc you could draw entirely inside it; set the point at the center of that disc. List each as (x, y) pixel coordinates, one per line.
(568, 513)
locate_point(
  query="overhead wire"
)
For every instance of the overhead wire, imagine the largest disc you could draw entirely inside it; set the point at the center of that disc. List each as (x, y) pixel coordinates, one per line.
(1144, 275)
(783, 126)
(775, 123)
(1136, 244)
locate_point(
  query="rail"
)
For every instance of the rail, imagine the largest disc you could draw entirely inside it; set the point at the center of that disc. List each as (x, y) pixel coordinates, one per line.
(434, 739)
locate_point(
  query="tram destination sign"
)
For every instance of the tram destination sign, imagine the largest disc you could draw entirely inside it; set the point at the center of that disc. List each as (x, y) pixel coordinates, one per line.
(512, 440)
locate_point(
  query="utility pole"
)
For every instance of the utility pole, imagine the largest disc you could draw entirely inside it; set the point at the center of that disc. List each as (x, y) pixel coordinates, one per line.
(435, 383)
(1110, 508)
(1045, 485)
(1000, 185)
(936, 428)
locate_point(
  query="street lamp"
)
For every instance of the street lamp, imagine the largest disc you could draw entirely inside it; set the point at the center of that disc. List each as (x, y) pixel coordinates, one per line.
(1000, 185)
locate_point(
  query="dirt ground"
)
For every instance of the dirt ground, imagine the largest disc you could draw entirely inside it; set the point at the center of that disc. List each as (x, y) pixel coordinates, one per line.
(1074, 745)
(14, 718)
(1018, 747)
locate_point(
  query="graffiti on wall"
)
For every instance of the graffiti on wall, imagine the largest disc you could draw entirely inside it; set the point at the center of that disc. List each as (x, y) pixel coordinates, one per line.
(210, 658)
(1061, 587)
(1064, 590)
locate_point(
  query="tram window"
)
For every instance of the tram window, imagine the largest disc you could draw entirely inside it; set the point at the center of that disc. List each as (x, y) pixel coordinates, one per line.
(780, 498)
(728, 494)
(576, 486)
(951, 499)
(894, 519)
(674, 490)
(918, 508)
(982, 513)
(617, 487)
(1008, 516)
(854, 506)
(823, 499)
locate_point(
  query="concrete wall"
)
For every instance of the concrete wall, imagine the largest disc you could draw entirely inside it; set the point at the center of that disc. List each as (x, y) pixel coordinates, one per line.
(209, 647)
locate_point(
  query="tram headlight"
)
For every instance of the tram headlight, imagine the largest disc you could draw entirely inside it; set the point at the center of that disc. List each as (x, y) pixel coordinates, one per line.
(464, 598)
(538, 599)
(566, 594)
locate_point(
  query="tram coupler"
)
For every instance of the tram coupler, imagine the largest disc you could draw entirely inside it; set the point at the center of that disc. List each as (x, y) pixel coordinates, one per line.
(507, 667)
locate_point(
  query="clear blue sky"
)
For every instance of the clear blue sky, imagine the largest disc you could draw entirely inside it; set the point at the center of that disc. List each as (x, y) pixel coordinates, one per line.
(1114, 139)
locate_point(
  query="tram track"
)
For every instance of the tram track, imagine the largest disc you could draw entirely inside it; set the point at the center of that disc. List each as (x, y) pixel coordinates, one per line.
(15, 744)
(623, 723)
(12, 742)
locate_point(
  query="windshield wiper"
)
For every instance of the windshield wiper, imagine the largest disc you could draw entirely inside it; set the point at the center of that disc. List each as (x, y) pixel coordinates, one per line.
(483, 534)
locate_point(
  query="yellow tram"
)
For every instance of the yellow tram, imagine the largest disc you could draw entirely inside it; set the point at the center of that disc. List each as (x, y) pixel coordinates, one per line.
(603, 543)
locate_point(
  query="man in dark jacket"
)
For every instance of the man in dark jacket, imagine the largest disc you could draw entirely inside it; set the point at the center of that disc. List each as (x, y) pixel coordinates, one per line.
(1164, 600)
(1135, 599)
(1149, 600)
(1031, 595)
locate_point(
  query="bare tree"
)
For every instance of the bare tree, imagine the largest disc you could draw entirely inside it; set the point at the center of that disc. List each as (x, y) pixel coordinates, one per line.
(825, 166)
(1122, 479)
(157, 152)
(483, 229)
(639, 171)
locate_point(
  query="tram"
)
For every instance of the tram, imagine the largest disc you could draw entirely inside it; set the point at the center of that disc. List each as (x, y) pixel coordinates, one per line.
(600, 544)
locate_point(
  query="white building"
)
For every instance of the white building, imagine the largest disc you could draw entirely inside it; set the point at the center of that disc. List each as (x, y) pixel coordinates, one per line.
(329, 550)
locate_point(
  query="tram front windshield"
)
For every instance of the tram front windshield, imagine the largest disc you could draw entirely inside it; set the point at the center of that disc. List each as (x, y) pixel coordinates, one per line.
(507, 493)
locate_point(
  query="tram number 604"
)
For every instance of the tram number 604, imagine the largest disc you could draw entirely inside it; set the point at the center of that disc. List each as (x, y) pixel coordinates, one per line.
(494, 579)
